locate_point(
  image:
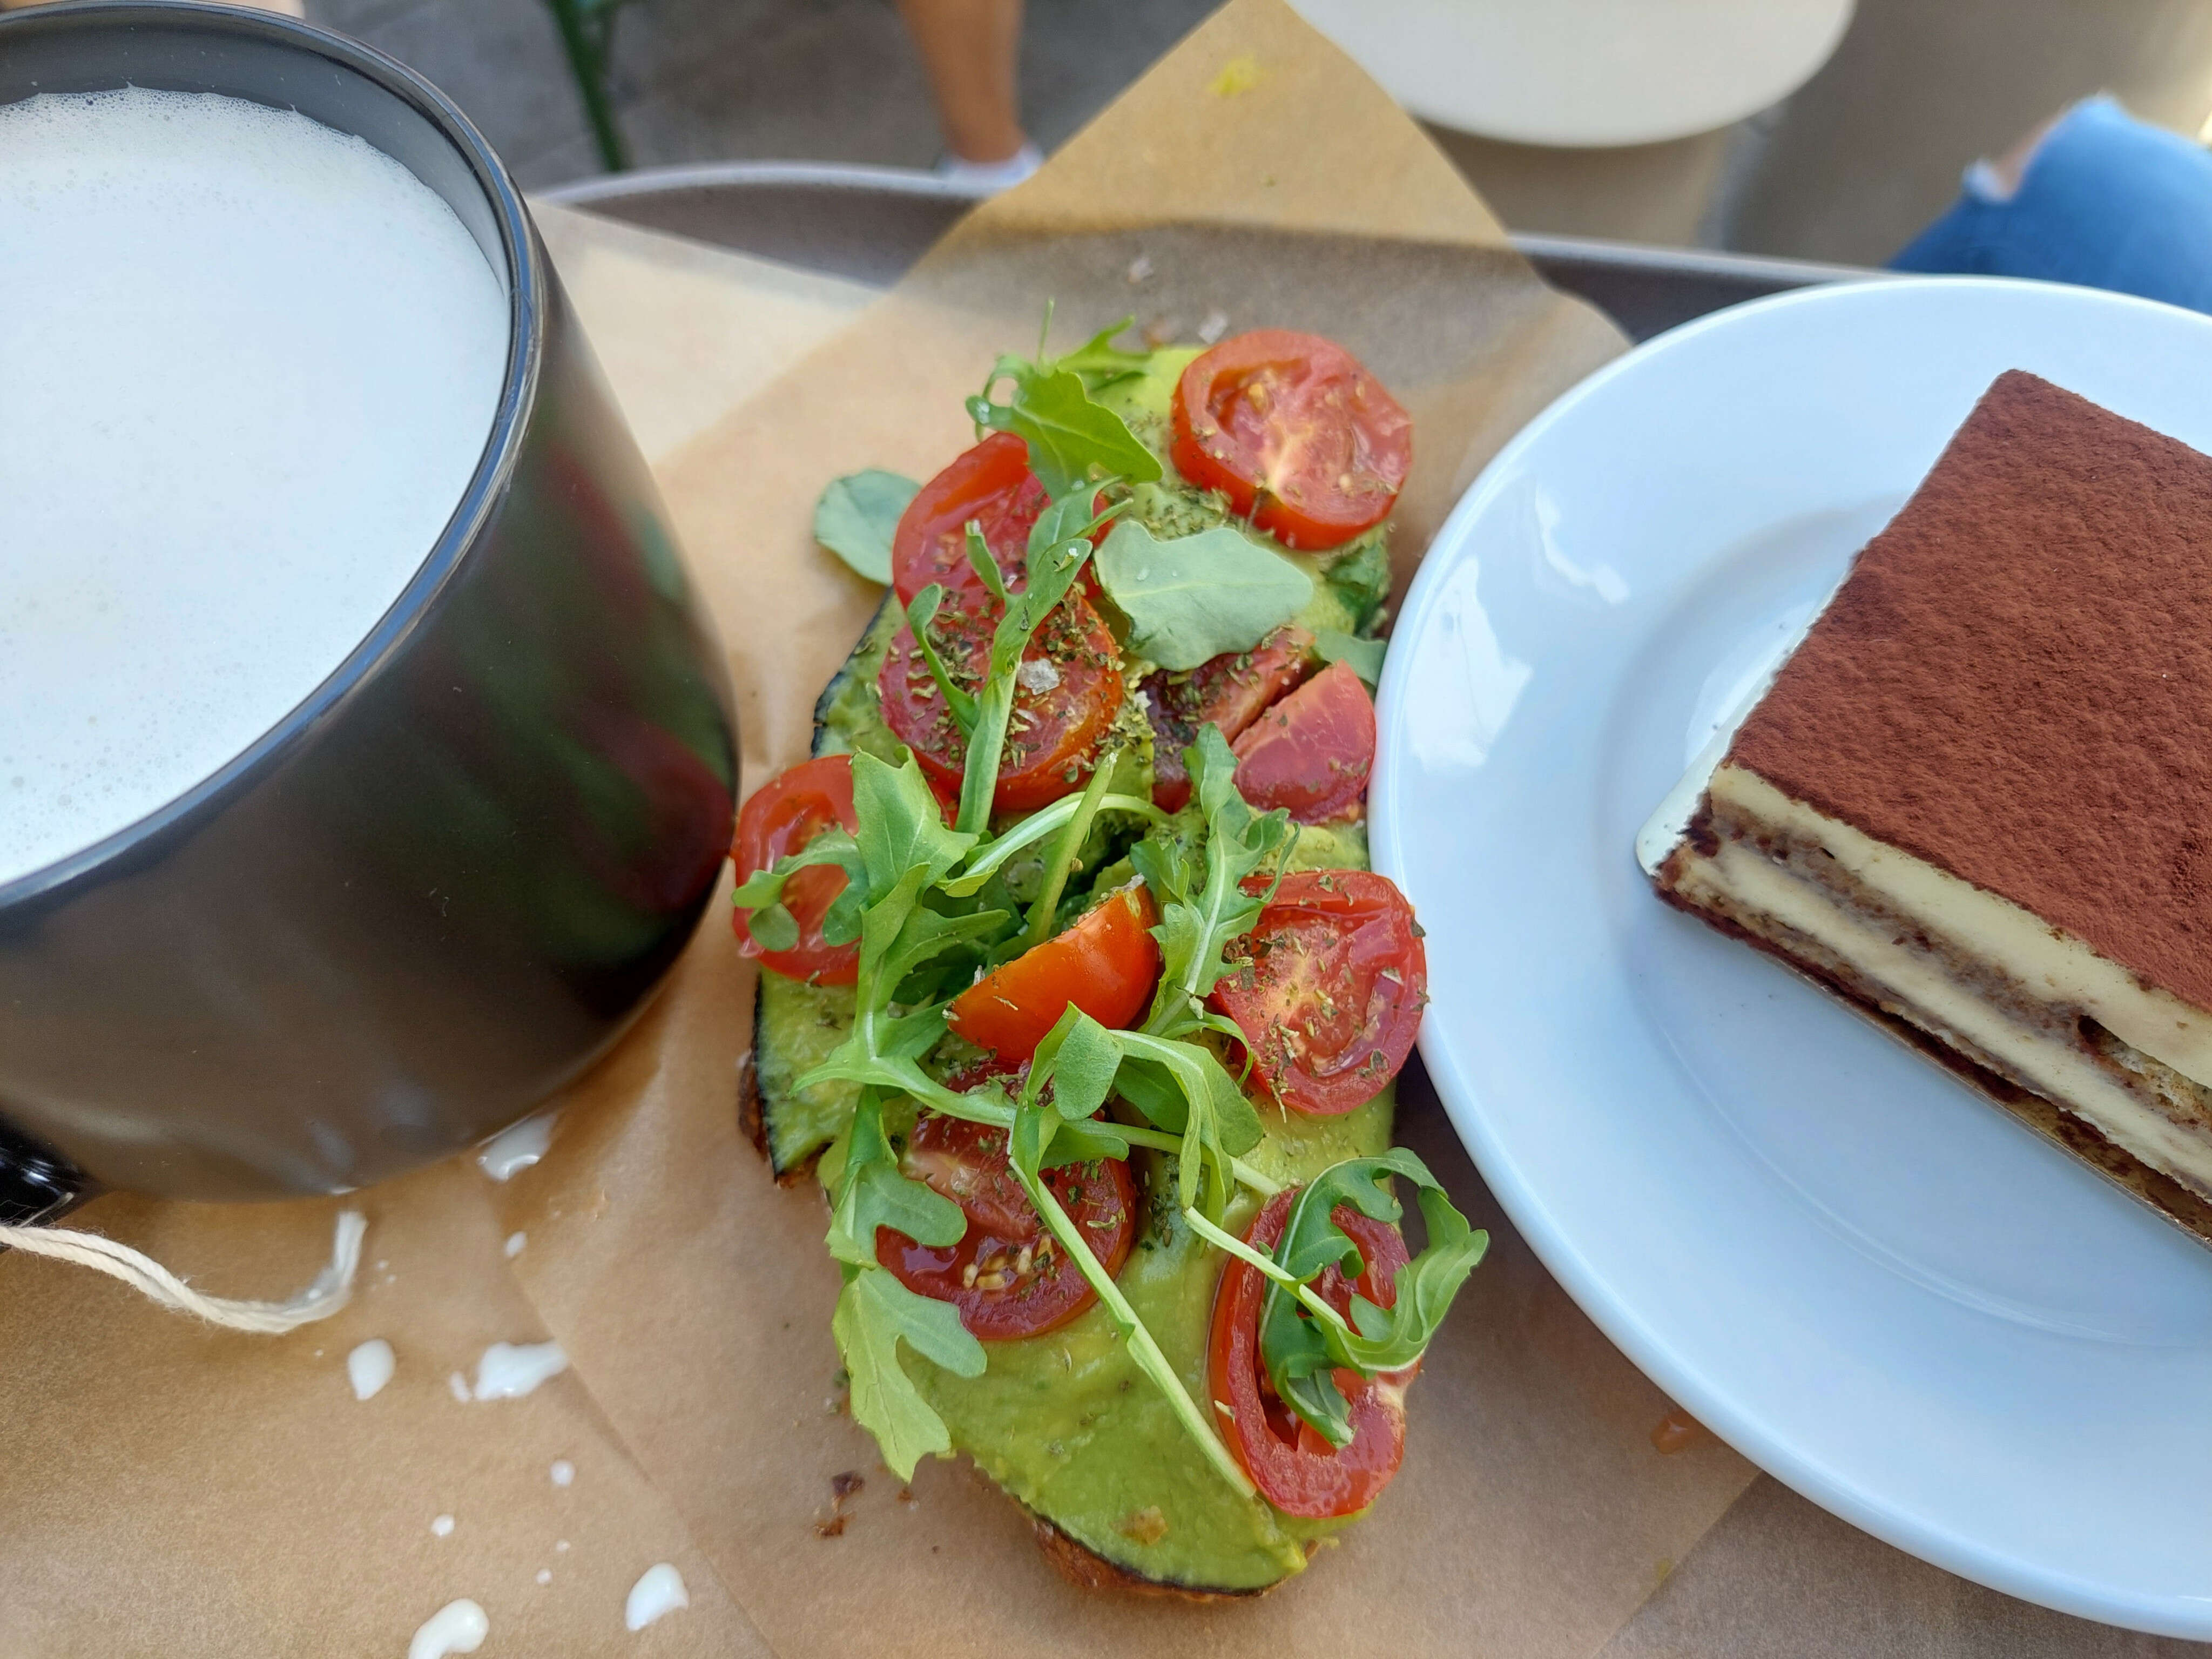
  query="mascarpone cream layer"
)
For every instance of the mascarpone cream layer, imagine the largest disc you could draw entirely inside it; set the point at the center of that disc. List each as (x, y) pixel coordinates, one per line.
(2043, 958)
(2048, 961)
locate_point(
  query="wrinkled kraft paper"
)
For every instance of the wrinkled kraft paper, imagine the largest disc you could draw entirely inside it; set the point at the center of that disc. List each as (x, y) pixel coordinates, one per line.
(166, 1489)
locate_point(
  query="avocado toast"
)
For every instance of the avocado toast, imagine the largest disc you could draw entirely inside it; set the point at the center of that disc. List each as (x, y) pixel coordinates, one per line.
(1076, 993)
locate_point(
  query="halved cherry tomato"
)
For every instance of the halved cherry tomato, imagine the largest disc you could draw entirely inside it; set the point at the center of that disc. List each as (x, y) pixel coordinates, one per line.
(1327, 988)
(1296, 433)
(1107, 965)
(1295, 1467)
(785, 813)
(991, 484)
(1312, 751)
(1229, 691)
(1008, 1277)
(1070, 687)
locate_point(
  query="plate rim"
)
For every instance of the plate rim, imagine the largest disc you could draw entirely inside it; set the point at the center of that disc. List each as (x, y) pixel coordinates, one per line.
(1894, 1522)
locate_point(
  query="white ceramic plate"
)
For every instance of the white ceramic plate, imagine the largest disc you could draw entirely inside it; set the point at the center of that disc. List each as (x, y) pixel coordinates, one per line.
(1870, 1281)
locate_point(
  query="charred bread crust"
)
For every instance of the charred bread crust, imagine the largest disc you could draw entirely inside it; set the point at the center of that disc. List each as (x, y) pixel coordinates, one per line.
(2184, 1208)
(752, 1111)
(752, 1108)
(826, 703)
(1086, 1569)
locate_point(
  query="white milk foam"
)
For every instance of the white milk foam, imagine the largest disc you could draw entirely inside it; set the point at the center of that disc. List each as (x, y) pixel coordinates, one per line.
(248, 365)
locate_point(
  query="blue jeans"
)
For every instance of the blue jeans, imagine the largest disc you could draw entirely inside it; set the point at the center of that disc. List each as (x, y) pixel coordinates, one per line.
(2107, 201)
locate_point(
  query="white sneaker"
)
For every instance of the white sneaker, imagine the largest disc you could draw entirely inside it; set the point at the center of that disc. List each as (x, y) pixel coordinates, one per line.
(991, 177)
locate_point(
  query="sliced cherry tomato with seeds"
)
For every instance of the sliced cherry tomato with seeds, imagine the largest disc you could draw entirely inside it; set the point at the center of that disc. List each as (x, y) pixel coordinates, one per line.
(1107, 965)
(1069, 689)
(1327, 988)
(1295, 1467)
(1230, 691)
(1008, 1276)
(1311, 752)
(990, 484)
(1299, 436)
(780, 818)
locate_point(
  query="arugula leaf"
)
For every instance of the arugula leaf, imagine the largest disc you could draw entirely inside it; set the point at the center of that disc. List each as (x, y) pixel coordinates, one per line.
(875, 1312)
(761, 893)
(1029, 1146)
(991, 856)
(920, 612)
(1063, 859)
(1078, 1057)
(1087, 1141)
(1218, 1121)
(1076, 514)
(1147, 1086)
(984, 563)
(1365, 656)
(1050, 409)
(1101, 363)
(904, 849)
(1361, 578)
(856, 517)
(1053, 569)
(927, 934)
(1192, 599)
(1203, 903)
(900, 825)
(1300, 1347)
(872, 1193)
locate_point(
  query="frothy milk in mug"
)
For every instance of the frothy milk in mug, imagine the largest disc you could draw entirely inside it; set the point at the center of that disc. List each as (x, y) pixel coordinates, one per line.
(247, 367)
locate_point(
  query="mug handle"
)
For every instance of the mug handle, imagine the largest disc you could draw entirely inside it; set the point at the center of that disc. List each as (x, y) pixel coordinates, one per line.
(36, 1186)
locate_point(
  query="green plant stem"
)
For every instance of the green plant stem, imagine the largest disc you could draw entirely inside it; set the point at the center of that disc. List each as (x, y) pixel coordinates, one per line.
(919, 614)
(587, 28)
(980, 1109)
(1060, 863)
(989, 855)
(984, 565)
(1141, 1343)
(1220, 1238)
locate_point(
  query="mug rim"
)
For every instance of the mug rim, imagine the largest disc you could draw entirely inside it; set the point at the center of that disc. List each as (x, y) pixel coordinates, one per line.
(526, 275)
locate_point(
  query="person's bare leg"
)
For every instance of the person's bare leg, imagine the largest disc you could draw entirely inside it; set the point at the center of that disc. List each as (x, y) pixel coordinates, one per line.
(969, 49)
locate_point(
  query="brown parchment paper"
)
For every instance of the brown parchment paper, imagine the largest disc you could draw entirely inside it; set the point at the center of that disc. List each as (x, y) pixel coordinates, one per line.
(170, 1490)
(1253, 177)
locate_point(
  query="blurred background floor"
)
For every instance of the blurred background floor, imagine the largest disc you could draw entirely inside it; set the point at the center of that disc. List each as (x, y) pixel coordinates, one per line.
(700, 80)
(1847, 169)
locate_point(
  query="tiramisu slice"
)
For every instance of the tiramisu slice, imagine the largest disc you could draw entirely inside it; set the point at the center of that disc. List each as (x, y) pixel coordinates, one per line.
(1976, 800)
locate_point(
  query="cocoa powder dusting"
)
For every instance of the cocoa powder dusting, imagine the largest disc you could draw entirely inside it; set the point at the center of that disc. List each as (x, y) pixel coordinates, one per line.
(2015, 682)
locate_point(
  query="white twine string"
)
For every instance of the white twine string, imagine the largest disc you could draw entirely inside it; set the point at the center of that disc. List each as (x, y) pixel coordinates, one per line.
(332, 1289)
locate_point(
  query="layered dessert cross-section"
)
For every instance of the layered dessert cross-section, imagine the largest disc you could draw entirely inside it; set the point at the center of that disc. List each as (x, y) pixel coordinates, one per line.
(1976, 800)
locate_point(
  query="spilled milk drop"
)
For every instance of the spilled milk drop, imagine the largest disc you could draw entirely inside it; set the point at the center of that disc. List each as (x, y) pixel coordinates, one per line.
(516, 1147)
(442, 1526)
(659, 1591)
(514, 1243)
(563, 1471)
(368, 1367)
(458, 1627)
(510, 1369)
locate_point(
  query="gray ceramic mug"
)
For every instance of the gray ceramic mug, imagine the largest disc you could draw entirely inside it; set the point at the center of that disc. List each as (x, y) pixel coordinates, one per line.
(450, 878)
